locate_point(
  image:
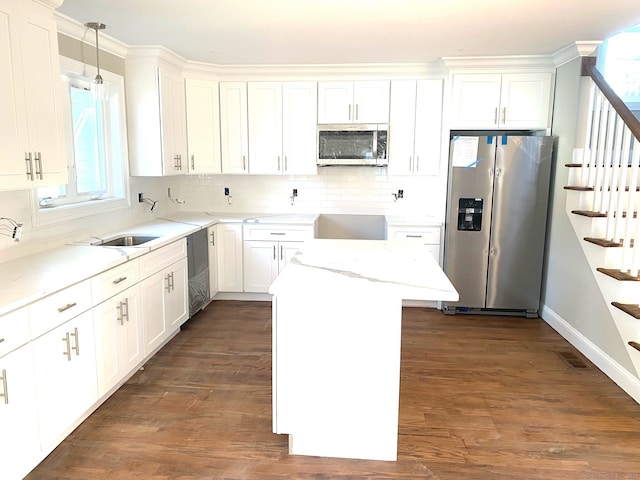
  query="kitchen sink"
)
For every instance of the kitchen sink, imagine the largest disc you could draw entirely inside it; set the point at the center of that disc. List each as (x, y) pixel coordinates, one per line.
(126, 241)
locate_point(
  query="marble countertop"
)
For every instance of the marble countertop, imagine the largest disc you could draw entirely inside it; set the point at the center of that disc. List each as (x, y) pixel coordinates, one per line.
(404, 269)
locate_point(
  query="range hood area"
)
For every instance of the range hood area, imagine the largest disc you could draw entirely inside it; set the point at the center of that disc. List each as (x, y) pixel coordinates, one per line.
(351, 226)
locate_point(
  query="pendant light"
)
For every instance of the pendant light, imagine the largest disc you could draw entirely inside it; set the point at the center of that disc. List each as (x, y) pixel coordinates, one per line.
(98, 87)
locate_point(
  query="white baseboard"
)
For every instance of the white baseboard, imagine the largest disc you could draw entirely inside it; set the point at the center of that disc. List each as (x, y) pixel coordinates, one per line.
(621, 376)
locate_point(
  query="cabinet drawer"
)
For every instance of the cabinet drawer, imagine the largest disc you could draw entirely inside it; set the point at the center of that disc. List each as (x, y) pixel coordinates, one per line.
(429, 235)
(14, 330)
(278, 233)
(51, 311)
(163, 257)
(114, 281)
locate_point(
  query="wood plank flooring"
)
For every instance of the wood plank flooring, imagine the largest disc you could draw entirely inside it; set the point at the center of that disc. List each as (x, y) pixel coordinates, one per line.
(486, 398)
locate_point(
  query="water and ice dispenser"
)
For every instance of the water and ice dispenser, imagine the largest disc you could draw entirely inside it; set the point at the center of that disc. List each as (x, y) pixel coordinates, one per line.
(470, 214)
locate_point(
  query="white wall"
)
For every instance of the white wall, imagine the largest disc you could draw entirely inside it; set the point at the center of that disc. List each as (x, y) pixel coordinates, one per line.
(570, 291)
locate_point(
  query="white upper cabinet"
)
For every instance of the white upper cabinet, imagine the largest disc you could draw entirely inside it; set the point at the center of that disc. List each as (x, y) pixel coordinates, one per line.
(156, 118)
(353, 102)
(203, 126)
(415, 124)
(234, 141)
(31, 120)
(265, 127)
(503, 101)
(282, 127)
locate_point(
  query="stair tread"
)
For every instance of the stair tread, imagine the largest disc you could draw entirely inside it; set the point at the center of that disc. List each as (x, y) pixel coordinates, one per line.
(635, 345)
(629, 308)
(580, 188)
(605, 242)
(588, 213)
(618, 275)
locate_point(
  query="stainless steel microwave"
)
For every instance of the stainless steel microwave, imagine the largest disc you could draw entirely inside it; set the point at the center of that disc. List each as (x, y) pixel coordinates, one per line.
(353, 144)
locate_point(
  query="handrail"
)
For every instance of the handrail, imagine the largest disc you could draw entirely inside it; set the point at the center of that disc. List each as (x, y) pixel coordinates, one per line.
(589, 69)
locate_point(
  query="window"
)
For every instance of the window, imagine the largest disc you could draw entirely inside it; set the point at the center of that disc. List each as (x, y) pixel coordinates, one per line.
(96, 150)
(620, 64)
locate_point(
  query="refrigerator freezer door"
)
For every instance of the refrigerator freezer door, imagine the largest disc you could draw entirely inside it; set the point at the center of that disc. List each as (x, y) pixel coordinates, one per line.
(516, 250)
(467, 236)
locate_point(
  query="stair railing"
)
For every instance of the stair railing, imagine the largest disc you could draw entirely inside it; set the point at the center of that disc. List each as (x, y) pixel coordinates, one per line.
(611, 164)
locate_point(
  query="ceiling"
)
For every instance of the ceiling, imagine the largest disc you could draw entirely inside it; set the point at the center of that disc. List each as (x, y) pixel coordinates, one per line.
(275, 32)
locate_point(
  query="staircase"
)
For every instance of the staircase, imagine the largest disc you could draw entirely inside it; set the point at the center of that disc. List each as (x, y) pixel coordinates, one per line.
(604, 205)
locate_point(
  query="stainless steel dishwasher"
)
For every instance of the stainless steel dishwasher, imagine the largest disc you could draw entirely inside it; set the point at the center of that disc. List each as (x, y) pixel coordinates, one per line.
(198, 267)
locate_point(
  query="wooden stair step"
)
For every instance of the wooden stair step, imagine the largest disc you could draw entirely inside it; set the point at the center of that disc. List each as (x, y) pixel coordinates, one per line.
(603, 242)
(579, 188)
(588, 213)
(618, 275)
(635, 345)
(628, 308)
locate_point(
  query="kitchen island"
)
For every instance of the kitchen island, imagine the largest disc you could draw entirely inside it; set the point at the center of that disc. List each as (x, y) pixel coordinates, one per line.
(337, 318)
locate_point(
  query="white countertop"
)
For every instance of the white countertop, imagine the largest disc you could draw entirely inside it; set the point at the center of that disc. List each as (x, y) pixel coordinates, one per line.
(404, 269)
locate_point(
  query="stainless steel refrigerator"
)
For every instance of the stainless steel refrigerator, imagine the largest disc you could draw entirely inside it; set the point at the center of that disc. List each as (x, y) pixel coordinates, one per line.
(495, 223)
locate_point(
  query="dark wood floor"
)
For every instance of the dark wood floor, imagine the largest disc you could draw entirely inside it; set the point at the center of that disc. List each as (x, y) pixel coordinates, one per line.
(481, 398)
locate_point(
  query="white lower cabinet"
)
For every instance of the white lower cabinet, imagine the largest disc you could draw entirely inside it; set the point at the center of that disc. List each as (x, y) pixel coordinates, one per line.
(229, 256)
(267, 249)
(65, 375)
(164, 304)
(213, 261)
(19, 443)
(118, 338)
(428, 235)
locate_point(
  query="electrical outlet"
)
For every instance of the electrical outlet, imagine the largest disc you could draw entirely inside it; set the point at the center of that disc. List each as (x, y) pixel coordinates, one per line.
(400, 193)
(295, 192)
(226, 191)
(140, 197)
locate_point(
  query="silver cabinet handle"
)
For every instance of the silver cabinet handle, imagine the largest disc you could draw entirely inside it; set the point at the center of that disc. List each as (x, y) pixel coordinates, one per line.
(281, 252)
(244, 162)
(5, 391)
(125, 304)
(67, 353)
(414, 236)
(193, 162)
(38, 159)
(286, 164)
(274, 252)
(175, 162)
(29, 160)
(495, 115)
(213, 238)
(120, 309)
(349, 111)
(417, 163)
(168, 279)
(119, 280)
(504, 115)
(66, 307)
(278, 162)
(357, 111)
(77, 347)
(277, 233)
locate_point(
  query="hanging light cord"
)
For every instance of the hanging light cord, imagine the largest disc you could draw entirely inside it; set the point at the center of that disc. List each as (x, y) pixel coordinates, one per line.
(97, 26)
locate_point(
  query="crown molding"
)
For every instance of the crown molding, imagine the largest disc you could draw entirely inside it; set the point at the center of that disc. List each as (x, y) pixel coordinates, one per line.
(499, 63)
(575, 50)
(76, 30)
(50, 3)
(155, 53)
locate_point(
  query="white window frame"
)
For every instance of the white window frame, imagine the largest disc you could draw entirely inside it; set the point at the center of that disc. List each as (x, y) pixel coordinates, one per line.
(117, 149)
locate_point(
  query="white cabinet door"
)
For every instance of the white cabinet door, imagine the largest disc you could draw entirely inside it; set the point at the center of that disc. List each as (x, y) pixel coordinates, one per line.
(173, 121)
(475, 100)
(19, 444)
(299, 120)
(504, 101)
(203, 126)
(213, 262)
(428, 127)
(265, 127)
(31, 119)
(65, 373)
(176, 297)
(287, 250)
(234, 141)
(402, 125)
(371, 101)
(229, 256)
(118, 338)
(335, 102)
(353, 102)
(260, 265)
(153, 311)
(525, 100)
